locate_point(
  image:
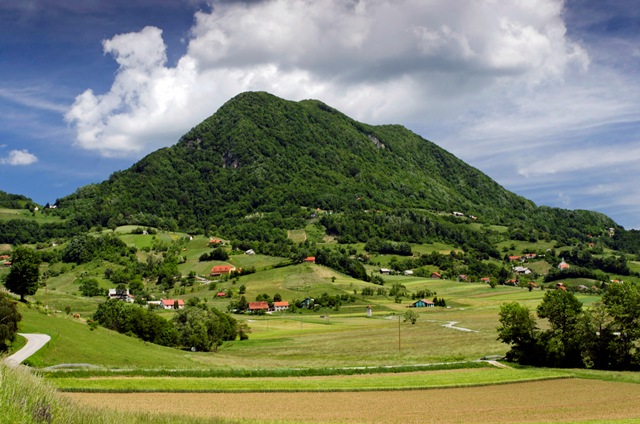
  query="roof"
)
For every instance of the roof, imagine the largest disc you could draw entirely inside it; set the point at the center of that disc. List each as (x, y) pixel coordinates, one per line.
(280, 304)
(221, 268)
(258, 305)
(221, 294)
(435, 273)
(514, 258)
(310, 259)
(171, 302)
(425, 301)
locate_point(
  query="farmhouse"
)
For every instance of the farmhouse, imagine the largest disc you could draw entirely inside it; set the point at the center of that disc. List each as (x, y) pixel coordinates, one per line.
(113, 294)
(514, 258)
(170, 303)
(255, 307)
(221, 269)
(422, 303)
(521, 270)
(385, 271)
(280, 306)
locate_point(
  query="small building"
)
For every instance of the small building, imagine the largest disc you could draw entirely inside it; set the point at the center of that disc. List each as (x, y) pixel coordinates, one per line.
(255, 307)
(463, 277)
(385, 271)
(250, 252)
(422, 303)
(221, 269)
(486, 280)
(171, 303)
(457, 213)
(560, 286)
(310, 259)
(280, 306)
(369, 311)
(215, 241)
(408, 272)
(521, 270)
(436, 275)
(221, 294)
(514, 258)
(563, 265)
(113, 294)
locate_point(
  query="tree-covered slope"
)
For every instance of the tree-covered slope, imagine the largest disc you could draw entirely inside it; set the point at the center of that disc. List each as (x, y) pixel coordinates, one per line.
(253, 167)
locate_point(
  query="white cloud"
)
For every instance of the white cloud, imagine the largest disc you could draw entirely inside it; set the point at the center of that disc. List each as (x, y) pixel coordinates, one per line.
(18, 158)
(377, 60)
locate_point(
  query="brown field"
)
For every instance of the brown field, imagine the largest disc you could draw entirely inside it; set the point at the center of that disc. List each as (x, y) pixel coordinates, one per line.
(546, 401)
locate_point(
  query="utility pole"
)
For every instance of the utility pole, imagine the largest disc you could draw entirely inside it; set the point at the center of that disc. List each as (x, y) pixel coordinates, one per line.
(398, 333)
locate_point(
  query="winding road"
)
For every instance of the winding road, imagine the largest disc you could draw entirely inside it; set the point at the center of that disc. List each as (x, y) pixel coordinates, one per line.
(34, 343)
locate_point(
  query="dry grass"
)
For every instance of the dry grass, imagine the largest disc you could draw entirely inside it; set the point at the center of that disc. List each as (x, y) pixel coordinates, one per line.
(548, 401)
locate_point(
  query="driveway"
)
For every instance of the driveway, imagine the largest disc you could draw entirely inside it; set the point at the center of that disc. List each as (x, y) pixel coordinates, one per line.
(34, 343)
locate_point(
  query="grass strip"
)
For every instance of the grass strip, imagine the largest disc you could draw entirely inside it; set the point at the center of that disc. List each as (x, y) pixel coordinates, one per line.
(259, 372)
(375, 382)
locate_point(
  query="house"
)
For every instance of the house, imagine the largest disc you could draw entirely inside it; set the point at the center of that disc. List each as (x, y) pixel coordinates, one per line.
(436, 275)
(221, 294)
(385, 271)
(250, 252)
(255, 307)
(514, 258)
(408, 272)
(521, 270)
(422, 303)
(280, 306)
(563, 265)
(457, 213)
(310, 259)
(485, 279)
(215, 241)
(221, 269)
(530, 255)
(170, 303)
(560, 286)
(463, 277)
(113, 294)
(512, 282)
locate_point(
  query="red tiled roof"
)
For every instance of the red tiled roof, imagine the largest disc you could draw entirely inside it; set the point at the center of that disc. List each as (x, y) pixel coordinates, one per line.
(310, 259)
(221, 269)
(253, 306)
(171, 302)
(281, 304)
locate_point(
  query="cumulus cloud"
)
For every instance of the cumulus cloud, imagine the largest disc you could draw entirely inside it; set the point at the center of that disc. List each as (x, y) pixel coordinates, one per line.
(19, 158)
(377, 60)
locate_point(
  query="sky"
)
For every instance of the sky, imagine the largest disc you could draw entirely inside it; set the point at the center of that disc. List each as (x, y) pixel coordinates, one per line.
(541, 95)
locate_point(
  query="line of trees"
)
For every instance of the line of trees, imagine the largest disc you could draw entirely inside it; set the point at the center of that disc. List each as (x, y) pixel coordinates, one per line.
(196, 326)
(604, 336)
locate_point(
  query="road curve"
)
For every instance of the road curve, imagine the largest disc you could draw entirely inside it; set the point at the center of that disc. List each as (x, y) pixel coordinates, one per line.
(34, 343)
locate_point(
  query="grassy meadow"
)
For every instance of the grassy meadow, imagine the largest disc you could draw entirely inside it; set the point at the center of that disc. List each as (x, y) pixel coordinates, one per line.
(339, 355)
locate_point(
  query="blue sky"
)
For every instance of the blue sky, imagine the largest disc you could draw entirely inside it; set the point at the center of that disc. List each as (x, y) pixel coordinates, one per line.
(541, 95)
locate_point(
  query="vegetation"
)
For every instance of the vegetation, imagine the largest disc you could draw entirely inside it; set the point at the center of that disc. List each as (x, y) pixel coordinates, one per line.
(603, 337)
(23, 278)
(9, 319)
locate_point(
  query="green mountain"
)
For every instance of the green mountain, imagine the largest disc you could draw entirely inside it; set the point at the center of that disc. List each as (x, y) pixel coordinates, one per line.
(262, 164)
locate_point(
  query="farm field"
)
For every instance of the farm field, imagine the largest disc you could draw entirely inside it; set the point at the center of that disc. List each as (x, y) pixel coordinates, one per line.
(575, 400)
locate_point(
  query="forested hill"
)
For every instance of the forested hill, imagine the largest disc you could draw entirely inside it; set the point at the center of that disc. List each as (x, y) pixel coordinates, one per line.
(262, 158)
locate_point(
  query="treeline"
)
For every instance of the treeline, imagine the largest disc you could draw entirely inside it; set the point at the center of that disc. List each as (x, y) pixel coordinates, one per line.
(583, 258)
(14, 201)
(604, 336)
(195, 326)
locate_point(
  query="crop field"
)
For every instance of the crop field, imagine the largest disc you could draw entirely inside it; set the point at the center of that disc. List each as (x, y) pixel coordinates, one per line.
(575, 400)
(360, 382)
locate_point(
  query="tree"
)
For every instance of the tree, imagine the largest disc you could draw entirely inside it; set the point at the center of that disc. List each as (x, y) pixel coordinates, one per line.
(411, 316)
(25, 271)
(90, 287)
(9, 319)
(518, 329)
(205, 329)
(562, 341)
(622, 302)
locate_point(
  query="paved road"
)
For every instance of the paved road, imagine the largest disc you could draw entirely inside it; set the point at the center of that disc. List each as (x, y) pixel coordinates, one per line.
(34, 343)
